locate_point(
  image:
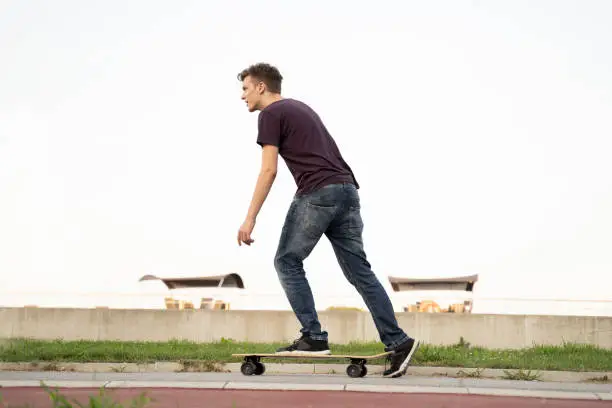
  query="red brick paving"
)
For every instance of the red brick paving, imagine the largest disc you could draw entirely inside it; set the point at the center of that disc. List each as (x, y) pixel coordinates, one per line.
(197, 398)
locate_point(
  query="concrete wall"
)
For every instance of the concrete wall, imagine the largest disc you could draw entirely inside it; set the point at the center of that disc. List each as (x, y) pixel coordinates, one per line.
(493, 331)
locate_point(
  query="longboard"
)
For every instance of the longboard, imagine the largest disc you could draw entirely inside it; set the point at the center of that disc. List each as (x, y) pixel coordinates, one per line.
(252, 364)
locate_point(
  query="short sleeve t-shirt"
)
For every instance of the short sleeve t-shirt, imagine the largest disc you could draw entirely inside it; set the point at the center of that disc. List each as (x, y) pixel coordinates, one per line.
(310, 152)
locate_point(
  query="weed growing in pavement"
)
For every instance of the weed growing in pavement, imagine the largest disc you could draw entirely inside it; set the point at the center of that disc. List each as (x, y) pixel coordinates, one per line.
(521, 375)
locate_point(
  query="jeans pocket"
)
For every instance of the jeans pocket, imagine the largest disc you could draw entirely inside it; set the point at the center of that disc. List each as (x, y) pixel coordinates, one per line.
(320, 204)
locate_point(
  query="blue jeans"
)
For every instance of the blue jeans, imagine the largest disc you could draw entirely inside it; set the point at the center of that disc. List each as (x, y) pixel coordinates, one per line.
(333, 210)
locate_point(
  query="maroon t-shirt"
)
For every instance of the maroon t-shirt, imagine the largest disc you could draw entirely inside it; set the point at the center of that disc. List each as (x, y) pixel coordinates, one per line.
(304, 143)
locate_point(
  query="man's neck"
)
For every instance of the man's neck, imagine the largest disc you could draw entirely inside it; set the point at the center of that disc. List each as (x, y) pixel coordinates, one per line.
(270, 100)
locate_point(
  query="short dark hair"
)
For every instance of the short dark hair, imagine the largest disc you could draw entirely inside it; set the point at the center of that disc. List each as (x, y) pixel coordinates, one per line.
(265, 73)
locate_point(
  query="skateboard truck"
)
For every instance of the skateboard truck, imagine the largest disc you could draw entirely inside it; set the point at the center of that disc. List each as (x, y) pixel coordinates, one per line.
(252, 366)
(357, 368)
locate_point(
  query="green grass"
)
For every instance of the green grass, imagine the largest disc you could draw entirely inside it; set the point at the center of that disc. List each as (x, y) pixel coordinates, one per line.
(568, 357)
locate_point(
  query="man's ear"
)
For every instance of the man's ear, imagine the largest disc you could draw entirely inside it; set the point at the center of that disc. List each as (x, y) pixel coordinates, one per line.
(261, 87)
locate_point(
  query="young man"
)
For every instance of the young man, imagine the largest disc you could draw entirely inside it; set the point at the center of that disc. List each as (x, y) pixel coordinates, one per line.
(326, 203)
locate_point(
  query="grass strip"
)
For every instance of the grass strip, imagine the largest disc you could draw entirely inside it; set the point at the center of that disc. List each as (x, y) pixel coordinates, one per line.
(566, 357)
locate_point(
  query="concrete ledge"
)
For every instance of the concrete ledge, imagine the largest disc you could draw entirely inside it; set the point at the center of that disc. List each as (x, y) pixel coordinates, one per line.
(279, 368)
(317, 387)
(63, 366)
(604, 396)
(266, 326)
(52, 384)
(533, 393)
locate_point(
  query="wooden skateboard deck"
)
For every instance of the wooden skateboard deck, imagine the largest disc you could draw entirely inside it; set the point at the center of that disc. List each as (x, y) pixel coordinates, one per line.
(252, 364)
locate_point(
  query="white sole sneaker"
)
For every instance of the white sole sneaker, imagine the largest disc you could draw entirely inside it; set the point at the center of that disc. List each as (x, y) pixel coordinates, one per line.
(303, 353)
(404, 365)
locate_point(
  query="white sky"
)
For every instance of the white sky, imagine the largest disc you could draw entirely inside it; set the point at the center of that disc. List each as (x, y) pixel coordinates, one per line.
(480, 133)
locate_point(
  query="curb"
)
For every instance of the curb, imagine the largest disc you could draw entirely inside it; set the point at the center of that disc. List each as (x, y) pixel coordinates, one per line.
(405, 389)
(283, 368)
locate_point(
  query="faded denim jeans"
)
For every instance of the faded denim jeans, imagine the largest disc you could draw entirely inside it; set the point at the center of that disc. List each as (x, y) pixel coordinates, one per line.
(333, 211)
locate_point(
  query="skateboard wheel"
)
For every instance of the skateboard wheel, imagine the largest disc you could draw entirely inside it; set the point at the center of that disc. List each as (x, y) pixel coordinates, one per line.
(355, 370)
(248, 368)
(364, 371)
(260, 368)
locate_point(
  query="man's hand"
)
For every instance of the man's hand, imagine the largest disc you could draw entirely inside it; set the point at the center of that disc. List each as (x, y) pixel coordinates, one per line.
(245, 231)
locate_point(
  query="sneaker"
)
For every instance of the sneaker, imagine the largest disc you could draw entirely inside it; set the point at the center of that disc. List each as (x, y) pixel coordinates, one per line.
(401, 358)
(306, 345)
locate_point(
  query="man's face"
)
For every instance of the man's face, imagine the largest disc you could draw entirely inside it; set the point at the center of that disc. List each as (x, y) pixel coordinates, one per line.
(251, 93)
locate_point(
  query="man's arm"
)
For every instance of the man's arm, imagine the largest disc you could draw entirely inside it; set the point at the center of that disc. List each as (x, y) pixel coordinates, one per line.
(267, 175)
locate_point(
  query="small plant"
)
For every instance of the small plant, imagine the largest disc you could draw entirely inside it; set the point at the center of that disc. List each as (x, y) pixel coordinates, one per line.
(521, 375)
(50, 367)
(602, 379)
(95, 401)
(462, 344)
(194, 366)
(473, 374)
(119, 369)
(98, 401)
(53, 366)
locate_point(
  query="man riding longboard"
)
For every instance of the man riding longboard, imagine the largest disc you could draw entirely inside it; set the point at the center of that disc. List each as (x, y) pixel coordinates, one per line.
(326, 203)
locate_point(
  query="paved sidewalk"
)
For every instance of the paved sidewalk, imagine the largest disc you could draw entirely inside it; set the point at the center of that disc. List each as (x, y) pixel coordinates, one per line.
(312, 368)
(319, 382)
